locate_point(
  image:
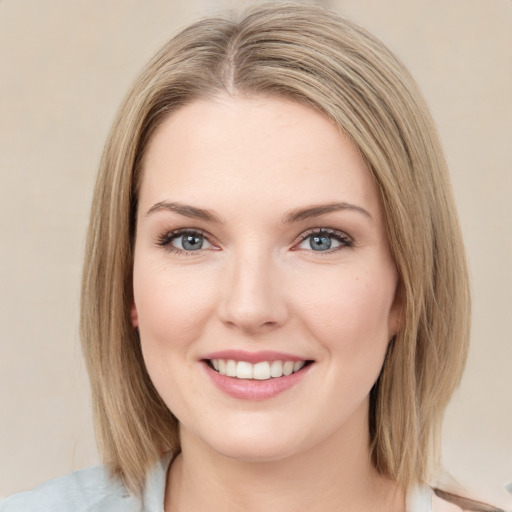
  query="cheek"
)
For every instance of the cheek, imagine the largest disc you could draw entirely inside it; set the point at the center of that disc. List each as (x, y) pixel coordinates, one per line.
(350, 314)
(172, 306)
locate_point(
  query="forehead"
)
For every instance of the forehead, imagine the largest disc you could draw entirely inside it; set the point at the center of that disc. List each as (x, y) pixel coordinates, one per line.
(267, 147)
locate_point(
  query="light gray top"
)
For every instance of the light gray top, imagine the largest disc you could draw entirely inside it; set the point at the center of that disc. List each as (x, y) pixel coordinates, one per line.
(92, 490)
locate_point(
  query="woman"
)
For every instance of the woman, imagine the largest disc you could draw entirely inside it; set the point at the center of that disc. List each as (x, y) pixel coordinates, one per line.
(275, 302)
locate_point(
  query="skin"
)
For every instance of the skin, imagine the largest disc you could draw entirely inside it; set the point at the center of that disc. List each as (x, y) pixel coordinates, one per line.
(257, 284)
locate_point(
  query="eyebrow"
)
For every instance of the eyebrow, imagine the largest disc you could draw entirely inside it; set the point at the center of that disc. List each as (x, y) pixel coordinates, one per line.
(297, 215)
(185, 210)
(301, 214)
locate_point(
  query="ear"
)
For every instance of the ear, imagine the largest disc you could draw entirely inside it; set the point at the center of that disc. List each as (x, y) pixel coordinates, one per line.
(135, 316)
(395, 314)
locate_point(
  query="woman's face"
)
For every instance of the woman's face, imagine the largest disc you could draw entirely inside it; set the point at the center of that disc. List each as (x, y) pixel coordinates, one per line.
(261, 250)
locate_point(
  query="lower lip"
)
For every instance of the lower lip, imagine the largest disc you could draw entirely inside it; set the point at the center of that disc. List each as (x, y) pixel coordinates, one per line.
(252, 389)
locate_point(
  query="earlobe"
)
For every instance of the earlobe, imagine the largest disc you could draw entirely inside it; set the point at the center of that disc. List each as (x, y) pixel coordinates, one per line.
(135, 316)
(395, 315)
(394, 324)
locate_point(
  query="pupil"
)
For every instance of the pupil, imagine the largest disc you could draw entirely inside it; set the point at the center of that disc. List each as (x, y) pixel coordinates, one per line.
(320, 243)
(192, 242)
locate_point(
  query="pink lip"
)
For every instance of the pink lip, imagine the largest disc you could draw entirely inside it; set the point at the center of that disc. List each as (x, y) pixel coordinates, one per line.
(248, 389)
(253, 357)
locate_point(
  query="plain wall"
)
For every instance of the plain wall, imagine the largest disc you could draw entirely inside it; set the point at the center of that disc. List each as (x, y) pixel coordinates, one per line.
(64, 68)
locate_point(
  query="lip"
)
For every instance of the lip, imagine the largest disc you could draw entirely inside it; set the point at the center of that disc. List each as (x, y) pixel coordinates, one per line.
(254, 357)
(250, 389)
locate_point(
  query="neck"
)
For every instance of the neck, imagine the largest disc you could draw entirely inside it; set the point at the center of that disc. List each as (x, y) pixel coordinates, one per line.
(336, 475)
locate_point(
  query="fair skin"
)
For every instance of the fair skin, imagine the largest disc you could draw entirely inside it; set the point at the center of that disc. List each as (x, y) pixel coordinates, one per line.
(261, 238)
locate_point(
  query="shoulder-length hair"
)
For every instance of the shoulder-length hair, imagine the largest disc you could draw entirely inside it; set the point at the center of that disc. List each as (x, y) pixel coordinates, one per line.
(314, 57)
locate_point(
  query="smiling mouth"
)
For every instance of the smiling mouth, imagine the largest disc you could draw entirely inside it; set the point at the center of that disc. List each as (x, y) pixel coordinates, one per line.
(263, 370)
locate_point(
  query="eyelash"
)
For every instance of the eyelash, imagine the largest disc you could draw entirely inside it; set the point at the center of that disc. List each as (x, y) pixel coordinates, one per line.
(165, 240)
(341, 237)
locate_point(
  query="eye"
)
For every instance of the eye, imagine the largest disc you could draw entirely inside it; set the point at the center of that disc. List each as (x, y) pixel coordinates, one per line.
(324, 240)
(186, 241)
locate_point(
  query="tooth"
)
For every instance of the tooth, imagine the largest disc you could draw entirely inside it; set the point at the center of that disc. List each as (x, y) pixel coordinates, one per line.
(231, 368)
(298, 365)
(288, 368)
(244, 370)
(276, 369)
(261, 371)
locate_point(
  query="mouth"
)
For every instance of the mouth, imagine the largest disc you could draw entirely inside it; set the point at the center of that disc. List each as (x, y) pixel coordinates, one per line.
(256, 376)
(261, 371)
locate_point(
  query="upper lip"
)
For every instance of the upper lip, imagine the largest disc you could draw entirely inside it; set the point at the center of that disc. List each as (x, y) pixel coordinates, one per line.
(253, 357)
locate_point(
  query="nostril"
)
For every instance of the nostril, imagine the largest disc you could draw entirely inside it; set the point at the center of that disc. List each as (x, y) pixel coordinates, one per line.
(251, 325)
(252, 300)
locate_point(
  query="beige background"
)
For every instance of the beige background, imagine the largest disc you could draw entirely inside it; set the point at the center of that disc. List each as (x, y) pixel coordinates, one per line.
(64, 67)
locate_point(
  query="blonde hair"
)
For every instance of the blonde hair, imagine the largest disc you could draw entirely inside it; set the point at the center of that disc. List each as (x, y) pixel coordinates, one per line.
(319, 59)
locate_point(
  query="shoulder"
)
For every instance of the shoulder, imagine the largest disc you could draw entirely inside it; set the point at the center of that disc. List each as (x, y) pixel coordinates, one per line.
(462, 504)
(423, 498)
(87, 490)
(442, 505)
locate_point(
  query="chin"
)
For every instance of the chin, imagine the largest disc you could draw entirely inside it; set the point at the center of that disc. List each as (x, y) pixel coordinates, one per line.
(253, 451)
(252, 443)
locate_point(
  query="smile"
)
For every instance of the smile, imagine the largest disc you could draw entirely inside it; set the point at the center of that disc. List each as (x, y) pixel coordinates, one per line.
(263, 370)
(255, 375)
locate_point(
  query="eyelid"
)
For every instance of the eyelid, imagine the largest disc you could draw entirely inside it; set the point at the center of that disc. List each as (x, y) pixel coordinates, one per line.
(341, 236)
(165, 240)
(167, 237)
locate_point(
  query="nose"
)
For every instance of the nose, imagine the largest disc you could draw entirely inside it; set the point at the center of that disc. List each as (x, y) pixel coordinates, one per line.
(253, 298)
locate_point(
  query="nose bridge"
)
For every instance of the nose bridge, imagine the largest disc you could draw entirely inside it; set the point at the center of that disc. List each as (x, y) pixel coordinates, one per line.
(253, 295)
